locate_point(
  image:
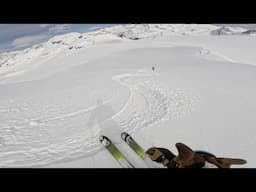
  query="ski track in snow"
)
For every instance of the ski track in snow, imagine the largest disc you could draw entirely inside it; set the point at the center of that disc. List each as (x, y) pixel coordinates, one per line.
(36, 142)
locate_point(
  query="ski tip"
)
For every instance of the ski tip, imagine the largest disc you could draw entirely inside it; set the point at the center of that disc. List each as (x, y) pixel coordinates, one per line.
(103, 138)
(124, 135)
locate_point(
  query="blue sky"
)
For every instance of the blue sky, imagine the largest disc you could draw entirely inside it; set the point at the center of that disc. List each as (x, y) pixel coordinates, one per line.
(19, 36)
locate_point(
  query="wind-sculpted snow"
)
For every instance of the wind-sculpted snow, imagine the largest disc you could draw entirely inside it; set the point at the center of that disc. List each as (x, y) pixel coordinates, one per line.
(36, 134)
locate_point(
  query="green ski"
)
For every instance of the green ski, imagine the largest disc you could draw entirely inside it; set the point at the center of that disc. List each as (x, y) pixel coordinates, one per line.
(115, 152)
(137, 149)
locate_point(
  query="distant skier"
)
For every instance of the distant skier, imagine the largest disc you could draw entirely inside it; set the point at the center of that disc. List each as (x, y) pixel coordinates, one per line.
(153, 68)
(187, 158)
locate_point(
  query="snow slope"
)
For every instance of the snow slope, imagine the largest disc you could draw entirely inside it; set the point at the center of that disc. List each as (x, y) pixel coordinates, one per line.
(56, 100)
(12, 63)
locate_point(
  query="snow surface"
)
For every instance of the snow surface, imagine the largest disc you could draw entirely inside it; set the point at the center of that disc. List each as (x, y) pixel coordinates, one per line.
(59, 96)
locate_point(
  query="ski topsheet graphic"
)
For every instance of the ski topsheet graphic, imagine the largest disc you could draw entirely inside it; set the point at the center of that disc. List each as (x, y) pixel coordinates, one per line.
(115, 152)
(137, 149)
(134, 145)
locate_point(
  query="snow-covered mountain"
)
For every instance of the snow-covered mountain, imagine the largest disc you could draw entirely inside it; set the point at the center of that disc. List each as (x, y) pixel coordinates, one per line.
(58, 97)
(74, 41)
(227, 30)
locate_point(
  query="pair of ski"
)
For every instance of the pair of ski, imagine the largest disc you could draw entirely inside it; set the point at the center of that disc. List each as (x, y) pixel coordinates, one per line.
(118, 155)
